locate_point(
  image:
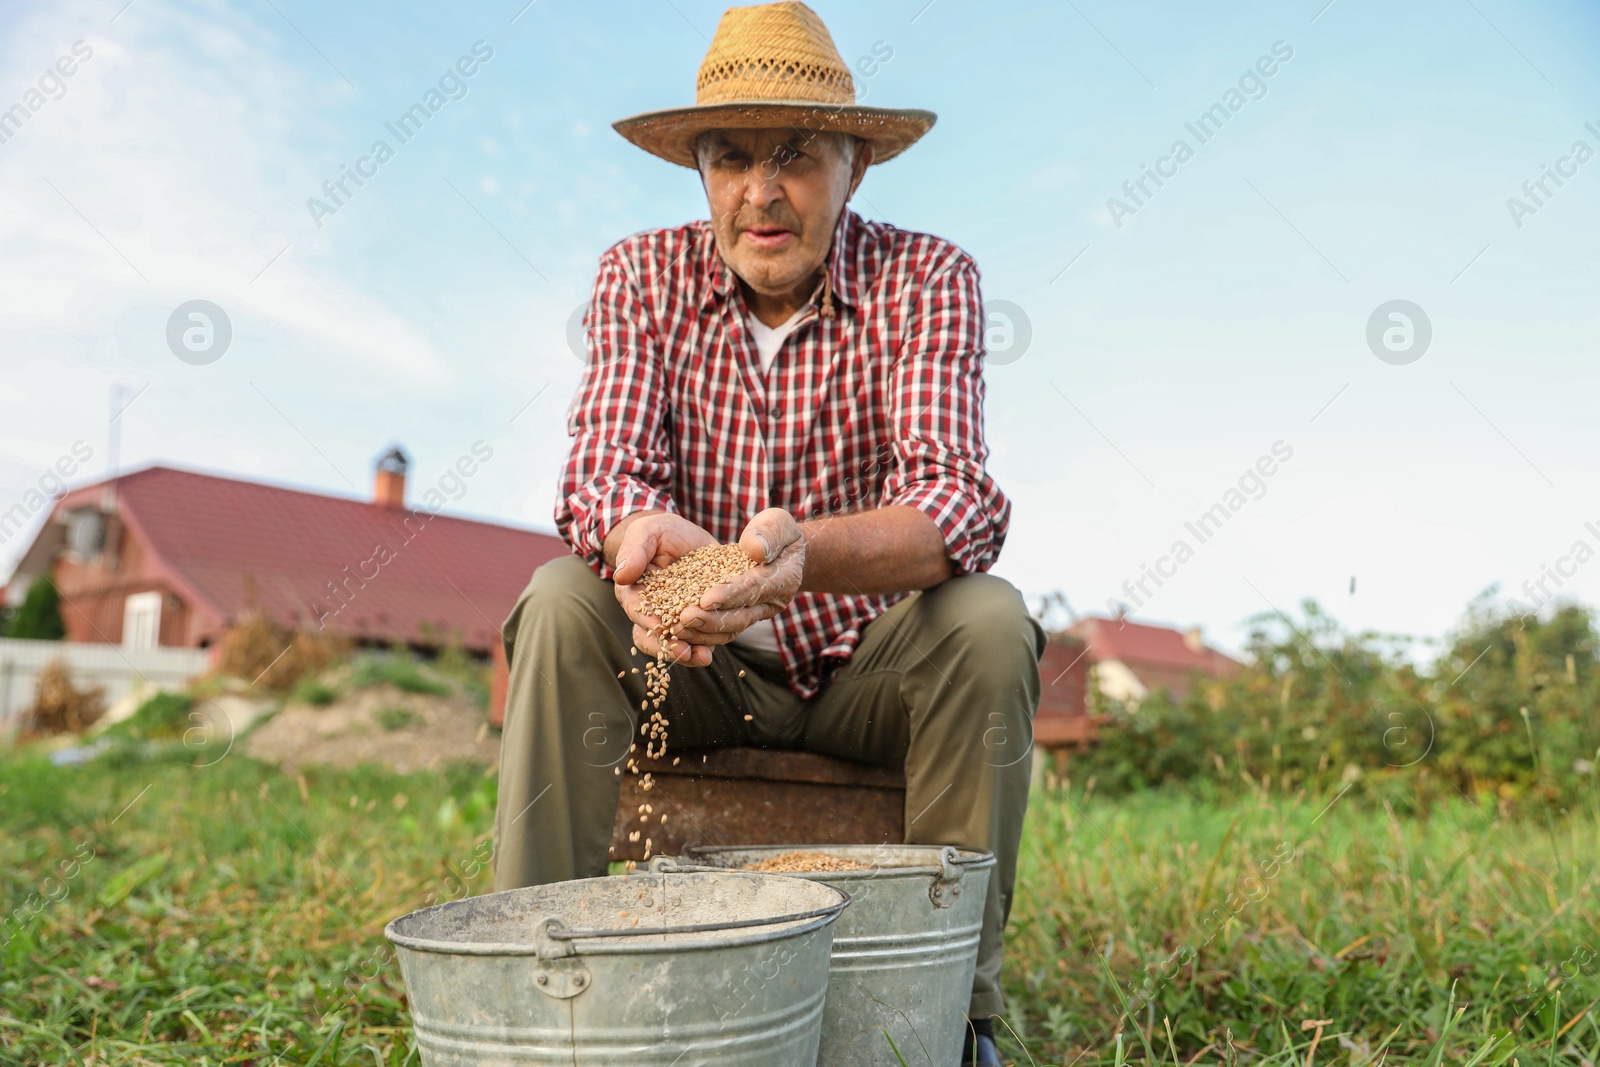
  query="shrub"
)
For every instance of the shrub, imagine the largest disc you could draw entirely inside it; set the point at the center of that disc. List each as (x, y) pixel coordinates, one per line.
(59, 706)
(265, 654)
(399, 669)
(38, 617)
(395, 718)
(162, 716)
(309, 690)
(1507, 708)
(466, 669)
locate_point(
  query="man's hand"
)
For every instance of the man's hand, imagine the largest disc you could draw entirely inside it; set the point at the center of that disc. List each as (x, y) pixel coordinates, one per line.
(774, 541)
(649, 541)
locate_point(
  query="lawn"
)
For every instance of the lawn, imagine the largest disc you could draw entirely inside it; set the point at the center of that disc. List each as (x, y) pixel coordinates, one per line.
(158, 912)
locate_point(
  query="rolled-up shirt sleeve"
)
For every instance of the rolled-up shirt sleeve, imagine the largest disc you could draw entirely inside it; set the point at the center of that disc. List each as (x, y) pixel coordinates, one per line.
(936, 411)
(621, 461)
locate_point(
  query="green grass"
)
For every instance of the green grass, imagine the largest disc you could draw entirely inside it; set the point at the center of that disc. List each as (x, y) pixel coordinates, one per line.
(396, 718)
(1434, 937)
(230, 914)
(313, 691)
(400, 670)
(163, 715)
(155, 912)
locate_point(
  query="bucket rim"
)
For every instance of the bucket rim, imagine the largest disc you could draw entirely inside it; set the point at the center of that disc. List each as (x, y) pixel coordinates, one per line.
(969, 858)
(604, 942)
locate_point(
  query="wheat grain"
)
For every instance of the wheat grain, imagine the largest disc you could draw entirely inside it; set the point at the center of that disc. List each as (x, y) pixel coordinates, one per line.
(790, 862)
(665, 594)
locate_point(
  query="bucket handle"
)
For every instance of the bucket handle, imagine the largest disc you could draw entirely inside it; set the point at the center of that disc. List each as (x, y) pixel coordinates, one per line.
(561, 933)
(547, 940)
(558, 972)
(946, 884)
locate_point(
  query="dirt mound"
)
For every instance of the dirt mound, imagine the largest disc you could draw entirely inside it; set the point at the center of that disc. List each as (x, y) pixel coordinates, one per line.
(382, 725)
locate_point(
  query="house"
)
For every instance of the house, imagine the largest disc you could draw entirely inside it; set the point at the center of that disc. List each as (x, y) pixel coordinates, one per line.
(170, 558)
(1062, 721)
(163, 557)
(1132, 659)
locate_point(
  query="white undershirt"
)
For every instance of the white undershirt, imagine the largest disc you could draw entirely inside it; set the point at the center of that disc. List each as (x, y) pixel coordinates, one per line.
(770, 338)
(764, 635)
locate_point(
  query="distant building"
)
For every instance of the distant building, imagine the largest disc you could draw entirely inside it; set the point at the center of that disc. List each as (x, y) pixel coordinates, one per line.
(1131, 659)
(163, 557)
(1063, 721)
(168, 558)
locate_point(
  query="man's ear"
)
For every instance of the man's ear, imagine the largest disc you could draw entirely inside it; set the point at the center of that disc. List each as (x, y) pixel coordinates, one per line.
(858, 168)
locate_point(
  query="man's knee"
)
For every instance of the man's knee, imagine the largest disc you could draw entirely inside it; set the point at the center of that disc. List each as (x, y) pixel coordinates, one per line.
(563, 591)
(986, 615)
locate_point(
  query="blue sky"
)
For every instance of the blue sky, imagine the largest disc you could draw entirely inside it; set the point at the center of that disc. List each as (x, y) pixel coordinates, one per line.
(1168, 354)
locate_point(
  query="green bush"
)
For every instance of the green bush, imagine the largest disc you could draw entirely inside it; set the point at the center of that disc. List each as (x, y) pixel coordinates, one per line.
(399, 669)
(38, 617)
(457, 663)
(162, 717)
(1506, 709)
(395, 718)
(309, 690)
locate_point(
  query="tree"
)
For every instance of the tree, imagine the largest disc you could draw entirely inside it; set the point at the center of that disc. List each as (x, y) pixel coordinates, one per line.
(39, 617)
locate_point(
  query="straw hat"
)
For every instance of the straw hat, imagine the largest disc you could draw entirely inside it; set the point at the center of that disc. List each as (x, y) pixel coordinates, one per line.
(774, 66)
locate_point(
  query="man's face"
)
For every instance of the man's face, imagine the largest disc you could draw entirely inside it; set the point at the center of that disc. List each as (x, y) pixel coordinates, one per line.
(775, 196)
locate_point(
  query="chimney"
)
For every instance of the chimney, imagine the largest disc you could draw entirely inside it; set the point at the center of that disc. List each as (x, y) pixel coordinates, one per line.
(389, 480)
(1193, 640)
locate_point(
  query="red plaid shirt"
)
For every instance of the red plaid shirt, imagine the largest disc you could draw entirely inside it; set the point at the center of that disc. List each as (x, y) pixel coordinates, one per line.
(880, 404)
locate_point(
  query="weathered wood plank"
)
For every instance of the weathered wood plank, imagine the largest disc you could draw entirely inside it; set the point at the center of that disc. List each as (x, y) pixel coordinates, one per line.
(758, 797)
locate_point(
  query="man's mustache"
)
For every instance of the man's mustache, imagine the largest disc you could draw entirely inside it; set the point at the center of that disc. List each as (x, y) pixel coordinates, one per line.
(780, 220)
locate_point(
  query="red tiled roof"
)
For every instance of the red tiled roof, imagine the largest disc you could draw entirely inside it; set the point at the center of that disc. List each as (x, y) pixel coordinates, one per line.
(1141, 645)
(237, 545)
(1063, 674)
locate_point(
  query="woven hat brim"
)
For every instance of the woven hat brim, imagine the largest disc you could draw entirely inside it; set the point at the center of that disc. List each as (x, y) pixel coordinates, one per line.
(671, 133)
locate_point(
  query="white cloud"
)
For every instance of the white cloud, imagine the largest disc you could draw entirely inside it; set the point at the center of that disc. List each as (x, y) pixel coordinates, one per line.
(169, 157)
(24, 295)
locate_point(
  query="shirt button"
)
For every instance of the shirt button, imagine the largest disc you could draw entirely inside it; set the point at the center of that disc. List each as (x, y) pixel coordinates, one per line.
(777, 411)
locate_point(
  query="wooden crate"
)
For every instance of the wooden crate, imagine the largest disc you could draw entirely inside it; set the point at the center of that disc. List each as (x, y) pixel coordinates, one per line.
(754, 796)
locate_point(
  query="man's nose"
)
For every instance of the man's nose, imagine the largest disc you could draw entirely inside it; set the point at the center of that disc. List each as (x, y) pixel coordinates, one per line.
(762, 186)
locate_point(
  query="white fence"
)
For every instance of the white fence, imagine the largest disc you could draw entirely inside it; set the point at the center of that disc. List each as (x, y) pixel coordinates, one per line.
(117, 670)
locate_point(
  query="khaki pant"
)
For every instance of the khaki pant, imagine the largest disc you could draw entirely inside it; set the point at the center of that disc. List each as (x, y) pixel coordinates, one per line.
(945, 683)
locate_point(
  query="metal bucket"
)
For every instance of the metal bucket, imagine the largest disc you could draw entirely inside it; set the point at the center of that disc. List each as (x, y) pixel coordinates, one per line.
(904, 952)
(721, 968)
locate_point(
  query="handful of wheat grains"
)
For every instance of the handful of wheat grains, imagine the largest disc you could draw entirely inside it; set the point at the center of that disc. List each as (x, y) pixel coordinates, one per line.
(665, 593)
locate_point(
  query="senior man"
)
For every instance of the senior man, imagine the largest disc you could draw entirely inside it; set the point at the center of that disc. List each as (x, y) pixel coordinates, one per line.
(808, 384)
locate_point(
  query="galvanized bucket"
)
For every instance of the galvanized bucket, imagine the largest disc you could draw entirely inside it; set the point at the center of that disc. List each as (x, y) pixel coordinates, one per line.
(685, 968)
(904, 952)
